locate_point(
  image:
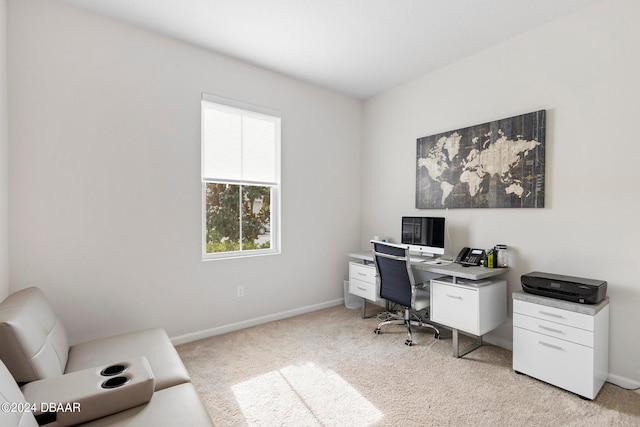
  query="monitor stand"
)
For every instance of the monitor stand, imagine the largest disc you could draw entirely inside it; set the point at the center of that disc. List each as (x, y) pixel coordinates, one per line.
(423, 257)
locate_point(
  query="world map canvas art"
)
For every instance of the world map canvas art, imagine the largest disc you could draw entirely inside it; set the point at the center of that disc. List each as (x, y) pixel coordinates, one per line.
(499, 164)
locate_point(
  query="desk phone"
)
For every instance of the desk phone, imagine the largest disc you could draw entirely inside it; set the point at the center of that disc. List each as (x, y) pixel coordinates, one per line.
(470, 256)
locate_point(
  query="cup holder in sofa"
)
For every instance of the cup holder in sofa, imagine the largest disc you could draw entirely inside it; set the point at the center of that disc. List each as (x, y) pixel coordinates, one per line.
(113, 370)
(115, 382)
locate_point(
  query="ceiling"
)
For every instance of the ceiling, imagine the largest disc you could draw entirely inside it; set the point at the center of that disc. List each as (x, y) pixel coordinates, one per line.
(357, 47)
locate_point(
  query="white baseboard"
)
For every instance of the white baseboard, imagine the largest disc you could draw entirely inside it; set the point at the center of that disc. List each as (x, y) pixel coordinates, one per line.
(623, 382)
(194, 336)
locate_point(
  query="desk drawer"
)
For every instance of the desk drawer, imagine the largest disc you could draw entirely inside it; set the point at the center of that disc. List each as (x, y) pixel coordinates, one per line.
(556, 315)
(366, 273)
(552, 329)
(455, 307)
(363, 289)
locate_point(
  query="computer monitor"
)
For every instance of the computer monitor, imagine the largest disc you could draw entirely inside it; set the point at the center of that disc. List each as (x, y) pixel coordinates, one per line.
(424, 235)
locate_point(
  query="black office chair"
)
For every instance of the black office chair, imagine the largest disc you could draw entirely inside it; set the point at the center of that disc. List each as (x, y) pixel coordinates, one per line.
(398, 286)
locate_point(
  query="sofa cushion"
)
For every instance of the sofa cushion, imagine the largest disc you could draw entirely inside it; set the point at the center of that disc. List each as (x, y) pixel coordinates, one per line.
(173, 406)
(34, 342)
(154, 344)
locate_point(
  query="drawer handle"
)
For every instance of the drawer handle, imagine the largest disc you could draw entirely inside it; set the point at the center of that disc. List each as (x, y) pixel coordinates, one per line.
(546, 344)
(557, 331)
(362, 289)
(454, 296)
(362, 274)
(546, 313)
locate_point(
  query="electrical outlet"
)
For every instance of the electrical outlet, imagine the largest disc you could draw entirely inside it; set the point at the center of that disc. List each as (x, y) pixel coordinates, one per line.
(240, 291)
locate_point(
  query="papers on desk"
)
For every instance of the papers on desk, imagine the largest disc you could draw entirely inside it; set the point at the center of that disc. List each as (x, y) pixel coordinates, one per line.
(429, 261)
(438, 262)
(473, 282)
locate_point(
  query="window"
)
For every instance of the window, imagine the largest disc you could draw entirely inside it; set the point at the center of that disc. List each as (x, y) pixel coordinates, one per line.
(240, 179)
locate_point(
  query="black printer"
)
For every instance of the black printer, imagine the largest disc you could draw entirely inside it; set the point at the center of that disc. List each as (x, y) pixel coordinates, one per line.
(576, 289)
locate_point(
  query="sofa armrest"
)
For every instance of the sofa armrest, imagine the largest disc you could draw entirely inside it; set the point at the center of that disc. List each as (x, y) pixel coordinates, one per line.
(91, 393)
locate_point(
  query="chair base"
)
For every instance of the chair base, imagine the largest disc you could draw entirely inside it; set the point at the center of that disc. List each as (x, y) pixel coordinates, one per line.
(408, 324)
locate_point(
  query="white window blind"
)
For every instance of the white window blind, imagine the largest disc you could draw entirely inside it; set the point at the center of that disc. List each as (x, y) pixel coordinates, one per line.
(239, 145)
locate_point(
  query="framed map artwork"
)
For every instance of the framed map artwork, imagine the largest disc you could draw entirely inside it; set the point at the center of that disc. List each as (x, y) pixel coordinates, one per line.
(498, 164)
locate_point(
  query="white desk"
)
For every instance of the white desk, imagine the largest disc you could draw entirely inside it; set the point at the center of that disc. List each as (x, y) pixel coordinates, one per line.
(488, 299)
(452, 270)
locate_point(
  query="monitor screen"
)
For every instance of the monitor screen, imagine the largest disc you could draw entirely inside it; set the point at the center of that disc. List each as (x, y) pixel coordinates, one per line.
(423, 234)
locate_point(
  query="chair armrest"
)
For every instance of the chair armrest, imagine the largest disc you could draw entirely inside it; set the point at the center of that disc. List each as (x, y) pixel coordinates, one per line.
(89, 394)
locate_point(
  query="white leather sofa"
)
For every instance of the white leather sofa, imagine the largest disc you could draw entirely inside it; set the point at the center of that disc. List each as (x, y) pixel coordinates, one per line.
(132, 379)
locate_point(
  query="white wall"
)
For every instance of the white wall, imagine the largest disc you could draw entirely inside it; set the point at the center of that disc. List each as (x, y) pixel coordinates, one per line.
(584, 71)
(4, 163)
(105, 201)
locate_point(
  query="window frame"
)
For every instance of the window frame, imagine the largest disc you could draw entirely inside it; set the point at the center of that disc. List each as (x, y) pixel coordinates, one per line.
(275, 244)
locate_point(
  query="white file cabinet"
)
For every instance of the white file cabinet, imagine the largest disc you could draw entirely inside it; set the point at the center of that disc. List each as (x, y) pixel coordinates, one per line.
(475, 307)
(562, 343)
(362, 281)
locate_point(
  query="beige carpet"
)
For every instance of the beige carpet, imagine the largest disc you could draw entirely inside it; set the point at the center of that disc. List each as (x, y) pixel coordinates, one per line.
(328, 368)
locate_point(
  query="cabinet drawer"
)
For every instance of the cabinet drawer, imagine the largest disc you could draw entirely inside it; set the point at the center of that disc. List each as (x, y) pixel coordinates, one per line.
(552, 329)
(558, 362)
(556, 315)
(363, 289)
(455, 307)
(366, 273)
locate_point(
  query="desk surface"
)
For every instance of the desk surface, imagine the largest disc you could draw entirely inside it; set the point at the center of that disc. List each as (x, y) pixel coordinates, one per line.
(452, 269)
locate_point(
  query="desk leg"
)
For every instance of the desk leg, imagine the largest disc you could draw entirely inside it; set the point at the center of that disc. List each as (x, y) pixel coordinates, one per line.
(456, 349)
(364, 310)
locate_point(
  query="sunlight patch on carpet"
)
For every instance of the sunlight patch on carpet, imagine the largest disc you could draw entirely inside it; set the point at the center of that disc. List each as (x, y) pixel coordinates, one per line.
(303, 395)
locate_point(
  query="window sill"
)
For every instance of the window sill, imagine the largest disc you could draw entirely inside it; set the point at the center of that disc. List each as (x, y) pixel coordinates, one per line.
(235, 255)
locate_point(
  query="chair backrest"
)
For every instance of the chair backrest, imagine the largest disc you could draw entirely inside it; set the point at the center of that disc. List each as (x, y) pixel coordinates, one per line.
(33, 342)
(15, 412)
(394, 271)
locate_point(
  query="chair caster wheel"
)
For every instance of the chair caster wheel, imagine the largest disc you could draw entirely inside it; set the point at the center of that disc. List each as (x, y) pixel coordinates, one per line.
(408, 342)
(437, 335)
(376, 331)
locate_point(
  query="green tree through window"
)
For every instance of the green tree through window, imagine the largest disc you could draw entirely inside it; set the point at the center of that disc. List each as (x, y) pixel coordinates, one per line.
(223, 212)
